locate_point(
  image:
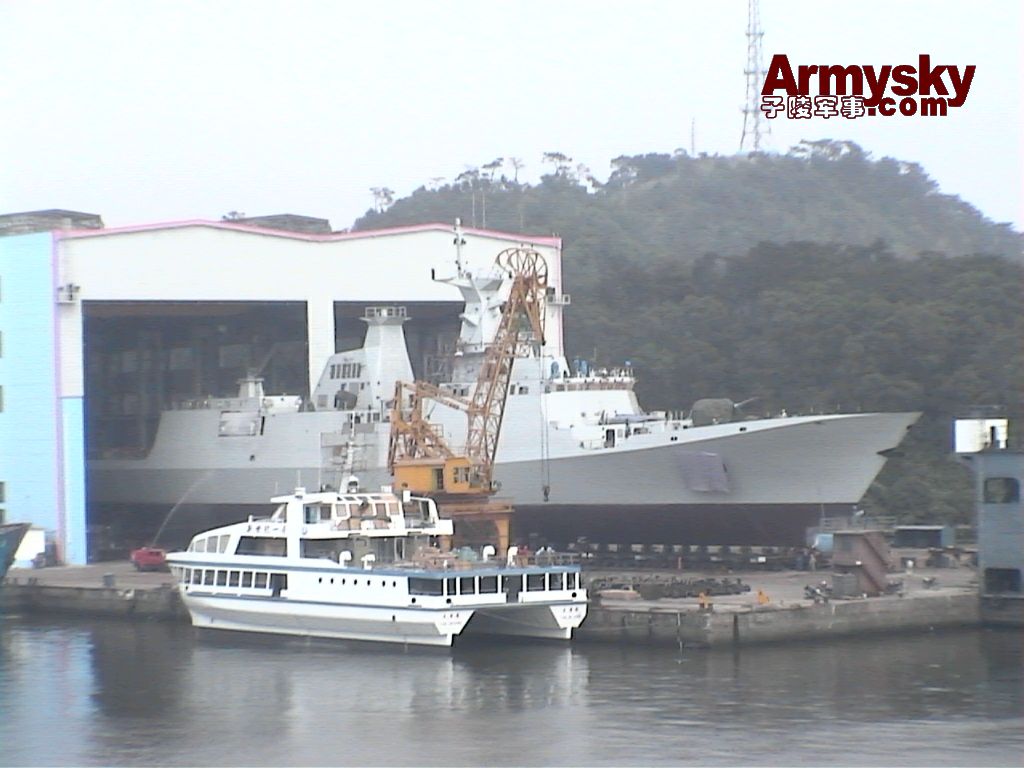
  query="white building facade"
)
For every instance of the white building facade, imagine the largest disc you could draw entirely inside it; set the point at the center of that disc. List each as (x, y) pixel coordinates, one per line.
(48, 280)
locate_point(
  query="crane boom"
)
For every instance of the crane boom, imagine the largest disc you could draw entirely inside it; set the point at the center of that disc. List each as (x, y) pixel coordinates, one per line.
(418, 455)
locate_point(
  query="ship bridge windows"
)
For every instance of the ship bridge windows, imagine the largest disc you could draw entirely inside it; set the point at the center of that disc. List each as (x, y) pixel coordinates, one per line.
(346, 370)
(316, 513)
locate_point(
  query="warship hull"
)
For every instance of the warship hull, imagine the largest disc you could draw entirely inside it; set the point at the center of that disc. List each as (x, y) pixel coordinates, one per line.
(755, 482)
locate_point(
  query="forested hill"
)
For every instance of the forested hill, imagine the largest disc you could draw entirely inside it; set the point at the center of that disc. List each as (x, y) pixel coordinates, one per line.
(659, 207)
(815, 282)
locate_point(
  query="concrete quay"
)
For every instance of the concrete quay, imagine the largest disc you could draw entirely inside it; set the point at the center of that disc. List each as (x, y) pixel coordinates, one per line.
(113, 589)
(932, 598)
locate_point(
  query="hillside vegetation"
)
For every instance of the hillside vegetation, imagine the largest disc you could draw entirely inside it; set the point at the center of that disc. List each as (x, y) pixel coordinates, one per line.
(817, 281)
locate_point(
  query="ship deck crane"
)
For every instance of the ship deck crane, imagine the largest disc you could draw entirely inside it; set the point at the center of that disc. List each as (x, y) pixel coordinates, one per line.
(419, 457)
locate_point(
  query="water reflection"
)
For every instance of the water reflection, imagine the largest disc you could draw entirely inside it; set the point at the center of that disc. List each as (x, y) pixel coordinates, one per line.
(160, 694)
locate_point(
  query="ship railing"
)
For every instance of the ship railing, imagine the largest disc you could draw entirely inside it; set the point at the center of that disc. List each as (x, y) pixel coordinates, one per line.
(589, 384)
(465, 559)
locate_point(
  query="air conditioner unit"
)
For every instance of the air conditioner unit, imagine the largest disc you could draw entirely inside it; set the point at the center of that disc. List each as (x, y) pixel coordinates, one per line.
(68, 293)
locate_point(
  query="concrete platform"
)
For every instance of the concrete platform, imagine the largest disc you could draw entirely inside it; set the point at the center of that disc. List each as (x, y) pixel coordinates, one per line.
(116, 589)
(104, 589)
(931, 598)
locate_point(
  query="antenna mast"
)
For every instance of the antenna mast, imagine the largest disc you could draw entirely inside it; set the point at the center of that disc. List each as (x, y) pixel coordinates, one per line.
(754, 126)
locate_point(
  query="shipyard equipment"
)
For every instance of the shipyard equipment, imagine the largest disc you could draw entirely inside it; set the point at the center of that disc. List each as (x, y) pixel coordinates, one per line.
(419, 457)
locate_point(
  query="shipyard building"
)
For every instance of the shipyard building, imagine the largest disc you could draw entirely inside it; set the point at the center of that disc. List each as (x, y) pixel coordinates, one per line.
(101, 329)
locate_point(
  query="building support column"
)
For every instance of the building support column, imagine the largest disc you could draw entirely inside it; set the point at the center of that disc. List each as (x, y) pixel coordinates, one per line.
(320, 335)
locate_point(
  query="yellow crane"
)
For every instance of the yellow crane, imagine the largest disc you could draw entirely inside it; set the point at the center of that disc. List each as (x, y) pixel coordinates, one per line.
(420, 459)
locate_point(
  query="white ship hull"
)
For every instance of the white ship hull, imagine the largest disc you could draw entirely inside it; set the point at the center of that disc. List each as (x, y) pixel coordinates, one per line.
(785, 466)
(381, 624)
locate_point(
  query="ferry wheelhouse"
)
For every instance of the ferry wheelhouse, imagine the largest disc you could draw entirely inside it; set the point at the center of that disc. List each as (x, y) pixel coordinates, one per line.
(368, 566)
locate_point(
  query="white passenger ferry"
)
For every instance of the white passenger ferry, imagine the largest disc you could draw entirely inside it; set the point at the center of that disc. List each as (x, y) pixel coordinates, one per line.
(367, 566)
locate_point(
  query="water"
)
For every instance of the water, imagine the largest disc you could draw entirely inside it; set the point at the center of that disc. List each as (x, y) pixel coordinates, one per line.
(115, 693)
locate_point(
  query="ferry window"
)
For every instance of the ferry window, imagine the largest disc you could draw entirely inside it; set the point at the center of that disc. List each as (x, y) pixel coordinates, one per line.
(260, 581)
(425, 587)
(380, 508)
(555, 581)
(467, 585)
(488, 585)
(252, 545)
(1001, 490)
(535, 582)
(310, 514)
(197, 575)
(200, 545)
(322, 549)
(572, 581)
(278, 583)
(246, 578)
(233, 578)
(208, 577)
(222, 544)
(222, 578)
(449, 586)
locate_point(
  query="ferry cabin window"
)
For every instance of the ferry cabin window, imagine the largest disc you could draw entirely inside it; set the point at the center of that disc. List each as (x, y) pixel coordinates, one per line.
(449, 586)
(234, 578)
(260, 581)
(426, 586)
(222, 543)
(535, 582)
(572, 581)
(314, 513)
(1001, 490)
(208, 577)
(555, 581)
(246, 578)
(488, 585)
(467, 585)
(325, 549)
(197, 575)
(222, 578)
(199, 545)
(253, 545)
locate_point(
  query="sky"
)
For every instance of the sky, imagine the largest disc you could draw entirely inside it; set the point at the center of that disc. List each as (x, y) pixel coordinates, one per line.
(164, 111)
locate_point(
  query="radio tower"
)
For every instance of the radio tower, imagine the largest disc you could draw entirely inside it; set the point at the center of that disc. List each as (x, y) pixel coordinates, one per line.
(754, 126)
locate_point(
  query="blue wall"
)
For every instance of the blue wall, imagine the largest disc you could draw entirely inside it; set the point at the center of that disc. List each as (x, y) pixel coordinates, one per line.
(29, 419)
(73, 415)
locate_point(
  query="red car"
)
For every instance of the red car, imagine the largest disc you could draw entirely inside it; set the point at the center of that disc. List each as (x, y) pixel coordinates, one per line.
(149, 559)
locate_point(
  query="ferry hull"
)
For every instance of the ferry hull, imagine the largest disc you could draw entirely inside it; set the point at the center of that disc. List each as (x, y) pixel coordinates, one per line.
(342, 622)
(382, 624)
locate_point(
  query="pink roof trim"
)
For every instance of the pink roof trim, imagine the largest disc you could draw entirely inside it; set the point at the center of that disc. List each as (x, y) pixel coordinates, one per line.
(74, 234)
